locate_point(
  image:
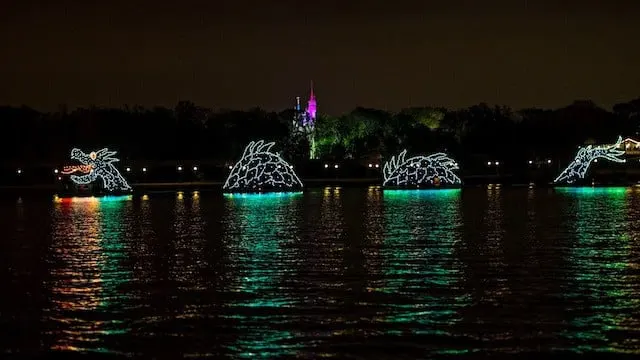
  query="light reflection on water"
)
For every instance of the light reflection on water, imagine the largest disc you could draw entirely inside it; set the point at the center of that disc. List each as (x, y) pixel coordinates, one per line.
(332, 272)
(86, 253)
(260, 233)
(602, 290)
(422, 277)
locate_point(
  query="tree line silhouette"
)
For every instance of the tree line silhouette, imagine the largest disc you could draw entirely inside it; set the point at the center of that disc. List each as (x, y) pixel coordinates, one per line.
(191, 132)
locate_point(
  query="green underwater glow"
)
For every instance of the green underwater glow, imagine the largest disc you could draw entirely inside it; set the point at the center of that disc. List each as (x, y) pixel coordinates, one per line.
(590, 190)
(421, 193)
(98, 199)
(263, 197)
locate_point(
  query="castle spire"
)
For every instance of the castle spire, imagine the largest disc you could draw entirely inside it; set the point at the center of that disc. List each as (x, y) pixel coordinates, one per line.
(312, 106)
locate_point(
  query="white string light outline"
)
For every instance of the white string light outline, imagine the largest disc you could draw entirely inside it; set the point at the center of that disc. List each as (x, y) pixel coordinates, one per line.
(101, 165)
(260, 169)
(420, 170)
(577, 169)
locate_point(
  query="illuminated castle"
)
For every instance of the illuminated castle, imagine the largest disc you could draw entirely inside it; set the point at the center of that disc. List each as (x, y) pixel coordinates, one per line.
(304, 121)
(311, 106)
(306, 118)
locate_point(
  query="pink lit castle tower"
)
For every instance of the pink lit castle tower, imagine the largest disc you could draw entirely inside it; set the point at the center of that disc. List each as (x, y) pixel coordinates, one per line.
(311, 107)
(305, 121)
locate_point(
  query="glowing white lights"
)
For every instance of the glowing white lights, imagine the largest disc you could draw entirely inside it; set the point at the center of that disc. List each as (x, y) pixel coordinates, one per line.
(420, 170)
(179, 168)
(577, 169)
(19, 171)
(128, 169)
(101, 166)
(195, 168)
(260, 169)
(144, 169)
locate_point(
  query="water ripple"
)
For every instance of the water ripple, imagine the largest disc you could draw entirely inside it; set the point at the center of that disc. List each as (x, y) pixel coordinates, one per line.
(333, 272)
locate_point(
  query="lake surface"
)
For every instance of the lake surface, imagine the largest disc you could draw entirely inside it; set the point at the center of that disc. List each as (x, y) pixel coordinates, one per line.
(344, 273)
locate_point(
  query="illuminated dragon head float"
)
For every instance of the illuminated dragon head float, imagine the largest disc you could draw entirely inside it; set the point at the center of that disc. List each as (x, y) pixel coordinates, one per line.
(577, 169)
(97, 164)
(434, 169)
(260, 169)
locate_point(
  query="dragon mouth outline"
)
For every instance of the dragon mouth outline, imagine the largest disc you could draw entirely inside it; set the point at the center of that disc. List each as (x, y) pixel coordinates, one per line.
(586, 155)
(97, 165)
(72, 169)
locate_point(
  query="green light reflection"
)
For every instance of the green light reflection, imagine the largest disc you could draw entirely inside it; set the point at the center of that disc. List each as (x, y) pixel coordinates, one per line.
(260, 231)
(422, 274)
(87, 273)
(601, 297)
(587, 190)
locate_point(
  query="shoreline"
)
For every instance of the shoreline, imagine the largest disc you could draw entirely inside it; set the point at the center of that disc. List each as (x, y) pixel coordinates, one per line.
(310, 183)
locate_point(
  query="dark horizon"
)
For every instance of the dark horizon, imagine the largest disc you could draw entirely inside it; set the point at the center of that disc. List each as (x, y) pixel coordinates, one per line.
(374, 54)
(353, 108)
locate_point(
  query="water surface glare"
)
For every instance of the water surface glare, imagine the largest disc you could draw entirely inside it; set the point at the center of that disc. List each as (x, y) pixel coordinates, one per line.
(343, 273)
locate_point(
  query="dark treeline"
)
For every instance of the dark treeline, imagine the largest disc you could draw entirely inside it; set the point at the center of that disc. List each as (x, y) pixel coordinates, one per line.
(190, 132)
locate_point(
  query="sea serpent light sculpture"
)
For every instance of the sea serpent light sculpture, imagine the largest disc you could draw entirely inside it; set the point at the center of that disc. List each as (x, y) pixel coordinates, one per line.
(259, 169)
(429, 170)
(577, 169)
(97, 164)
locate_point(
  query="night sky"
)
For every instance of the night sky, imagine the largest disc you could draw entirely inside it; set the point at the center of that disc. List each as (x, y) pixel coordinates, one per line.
(386, 54)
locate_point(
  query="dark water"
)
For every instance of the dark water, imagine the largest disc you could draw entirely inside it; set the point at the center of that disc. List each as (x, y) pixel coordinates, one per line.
(344, 273)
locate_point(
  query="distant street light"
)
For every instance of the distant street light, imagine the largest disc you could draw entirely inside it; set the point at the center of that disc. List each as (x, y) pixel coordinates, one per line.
(144, 169)
(377, 165)
(179, 168)
(19, 171)
(335, 166)
(55, 171)
(326, 166)
(195, 168)
(128, 169)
